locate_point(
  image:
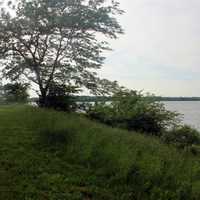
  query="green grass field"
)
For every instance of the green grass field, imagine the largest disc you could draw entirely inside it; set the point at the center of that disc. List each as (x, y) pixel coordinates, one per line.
(57, 156)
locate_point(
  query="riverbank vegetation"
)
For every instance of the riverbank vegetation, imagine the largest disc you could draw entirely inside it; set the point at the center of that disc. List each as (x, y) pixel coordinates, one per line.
(54, 155)
(133, 111)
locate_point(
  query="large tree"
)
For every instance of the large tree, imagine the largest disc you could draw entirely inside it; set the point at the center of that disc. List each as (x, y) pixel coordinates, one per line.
(57, 40)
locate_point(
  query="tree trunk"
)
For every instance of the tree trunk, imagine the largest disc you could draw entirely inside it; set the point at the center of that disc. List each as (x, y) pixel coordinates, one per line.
(43, 98)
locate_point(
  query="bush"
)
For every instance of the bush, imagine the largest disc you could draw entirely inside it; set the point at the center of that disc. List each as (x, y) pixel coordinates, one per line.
(64, 103)
(183, 136)
(15, 93)
(60, 97)
(133, 111)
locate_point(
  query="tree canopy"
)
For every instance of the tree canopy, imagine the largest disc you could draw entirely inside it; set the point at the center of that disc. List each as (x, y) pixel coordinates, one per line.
(59, 41)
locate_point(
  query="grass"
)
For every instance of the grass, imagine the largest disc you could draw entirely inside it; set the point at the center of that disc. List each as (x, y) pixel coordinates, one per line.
(52, 155)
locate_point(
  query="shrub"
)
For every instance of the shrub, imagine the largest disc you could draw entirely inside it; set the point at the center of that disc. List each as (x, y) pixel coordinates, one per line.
(60, 97)
(183, 136)
(195, 149)
(133, 111)
(15, 93)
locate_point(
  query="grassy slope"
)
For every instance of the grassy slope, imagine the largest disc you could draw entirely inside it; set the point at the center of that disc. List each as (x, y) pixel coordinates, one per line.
(51, 155)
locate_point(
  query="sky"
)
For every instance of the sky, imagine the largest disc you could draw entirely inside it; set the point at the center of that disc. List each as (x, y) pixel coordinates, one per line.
(160, 50)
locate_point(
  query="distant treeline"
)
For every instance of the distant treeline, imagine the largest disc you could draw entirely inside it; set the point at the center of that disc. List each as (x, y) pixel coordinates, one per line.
(177, 98)
(156, 98)
(108, 98)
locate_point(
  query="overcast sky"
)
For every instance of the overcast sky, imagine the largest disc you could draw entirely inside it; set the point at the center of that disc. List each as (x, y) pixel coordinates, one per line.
(160, 50)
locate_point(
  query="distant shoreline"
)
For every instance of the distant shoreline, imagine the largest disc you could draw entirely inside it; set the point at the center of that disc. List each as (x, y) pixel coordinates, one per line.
(103, 98)
(177, 98)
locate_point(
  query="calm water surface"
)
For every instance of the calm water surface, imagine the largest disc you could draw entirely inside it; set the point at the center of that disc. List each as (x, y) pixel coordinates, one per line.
(189, 109)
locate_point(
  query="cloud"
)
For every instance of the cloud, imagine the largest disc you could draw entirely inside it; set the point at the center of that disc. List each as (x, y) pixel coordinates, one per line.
(162, 43)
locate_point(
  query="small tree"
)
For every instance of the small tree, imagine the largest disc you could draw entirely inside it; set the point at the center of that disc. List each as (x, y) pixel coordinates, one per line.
(50, 41)
(182, 136)
(16, 92)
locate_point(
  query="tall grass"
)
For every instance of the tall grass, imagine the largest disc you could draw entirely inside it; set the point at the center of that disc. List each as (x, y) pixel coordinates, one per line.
(46, 154)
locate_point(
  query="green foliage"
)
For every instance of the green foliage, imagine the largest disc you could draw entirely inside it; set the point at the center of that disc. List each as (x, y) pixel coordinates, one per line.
(46, 41)
(133, 111)
(15, 93)
(60, 97)
(183, 136)
(46, 154)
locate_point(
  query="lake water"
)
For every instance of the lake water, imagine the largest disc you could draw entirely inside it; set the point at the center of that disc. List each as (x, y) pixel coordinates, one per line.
(189, 109)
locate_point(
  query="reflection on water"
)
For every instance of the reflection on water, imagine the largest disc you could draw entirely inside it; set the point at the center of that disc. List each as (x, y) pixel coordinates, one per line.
(189, 109)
